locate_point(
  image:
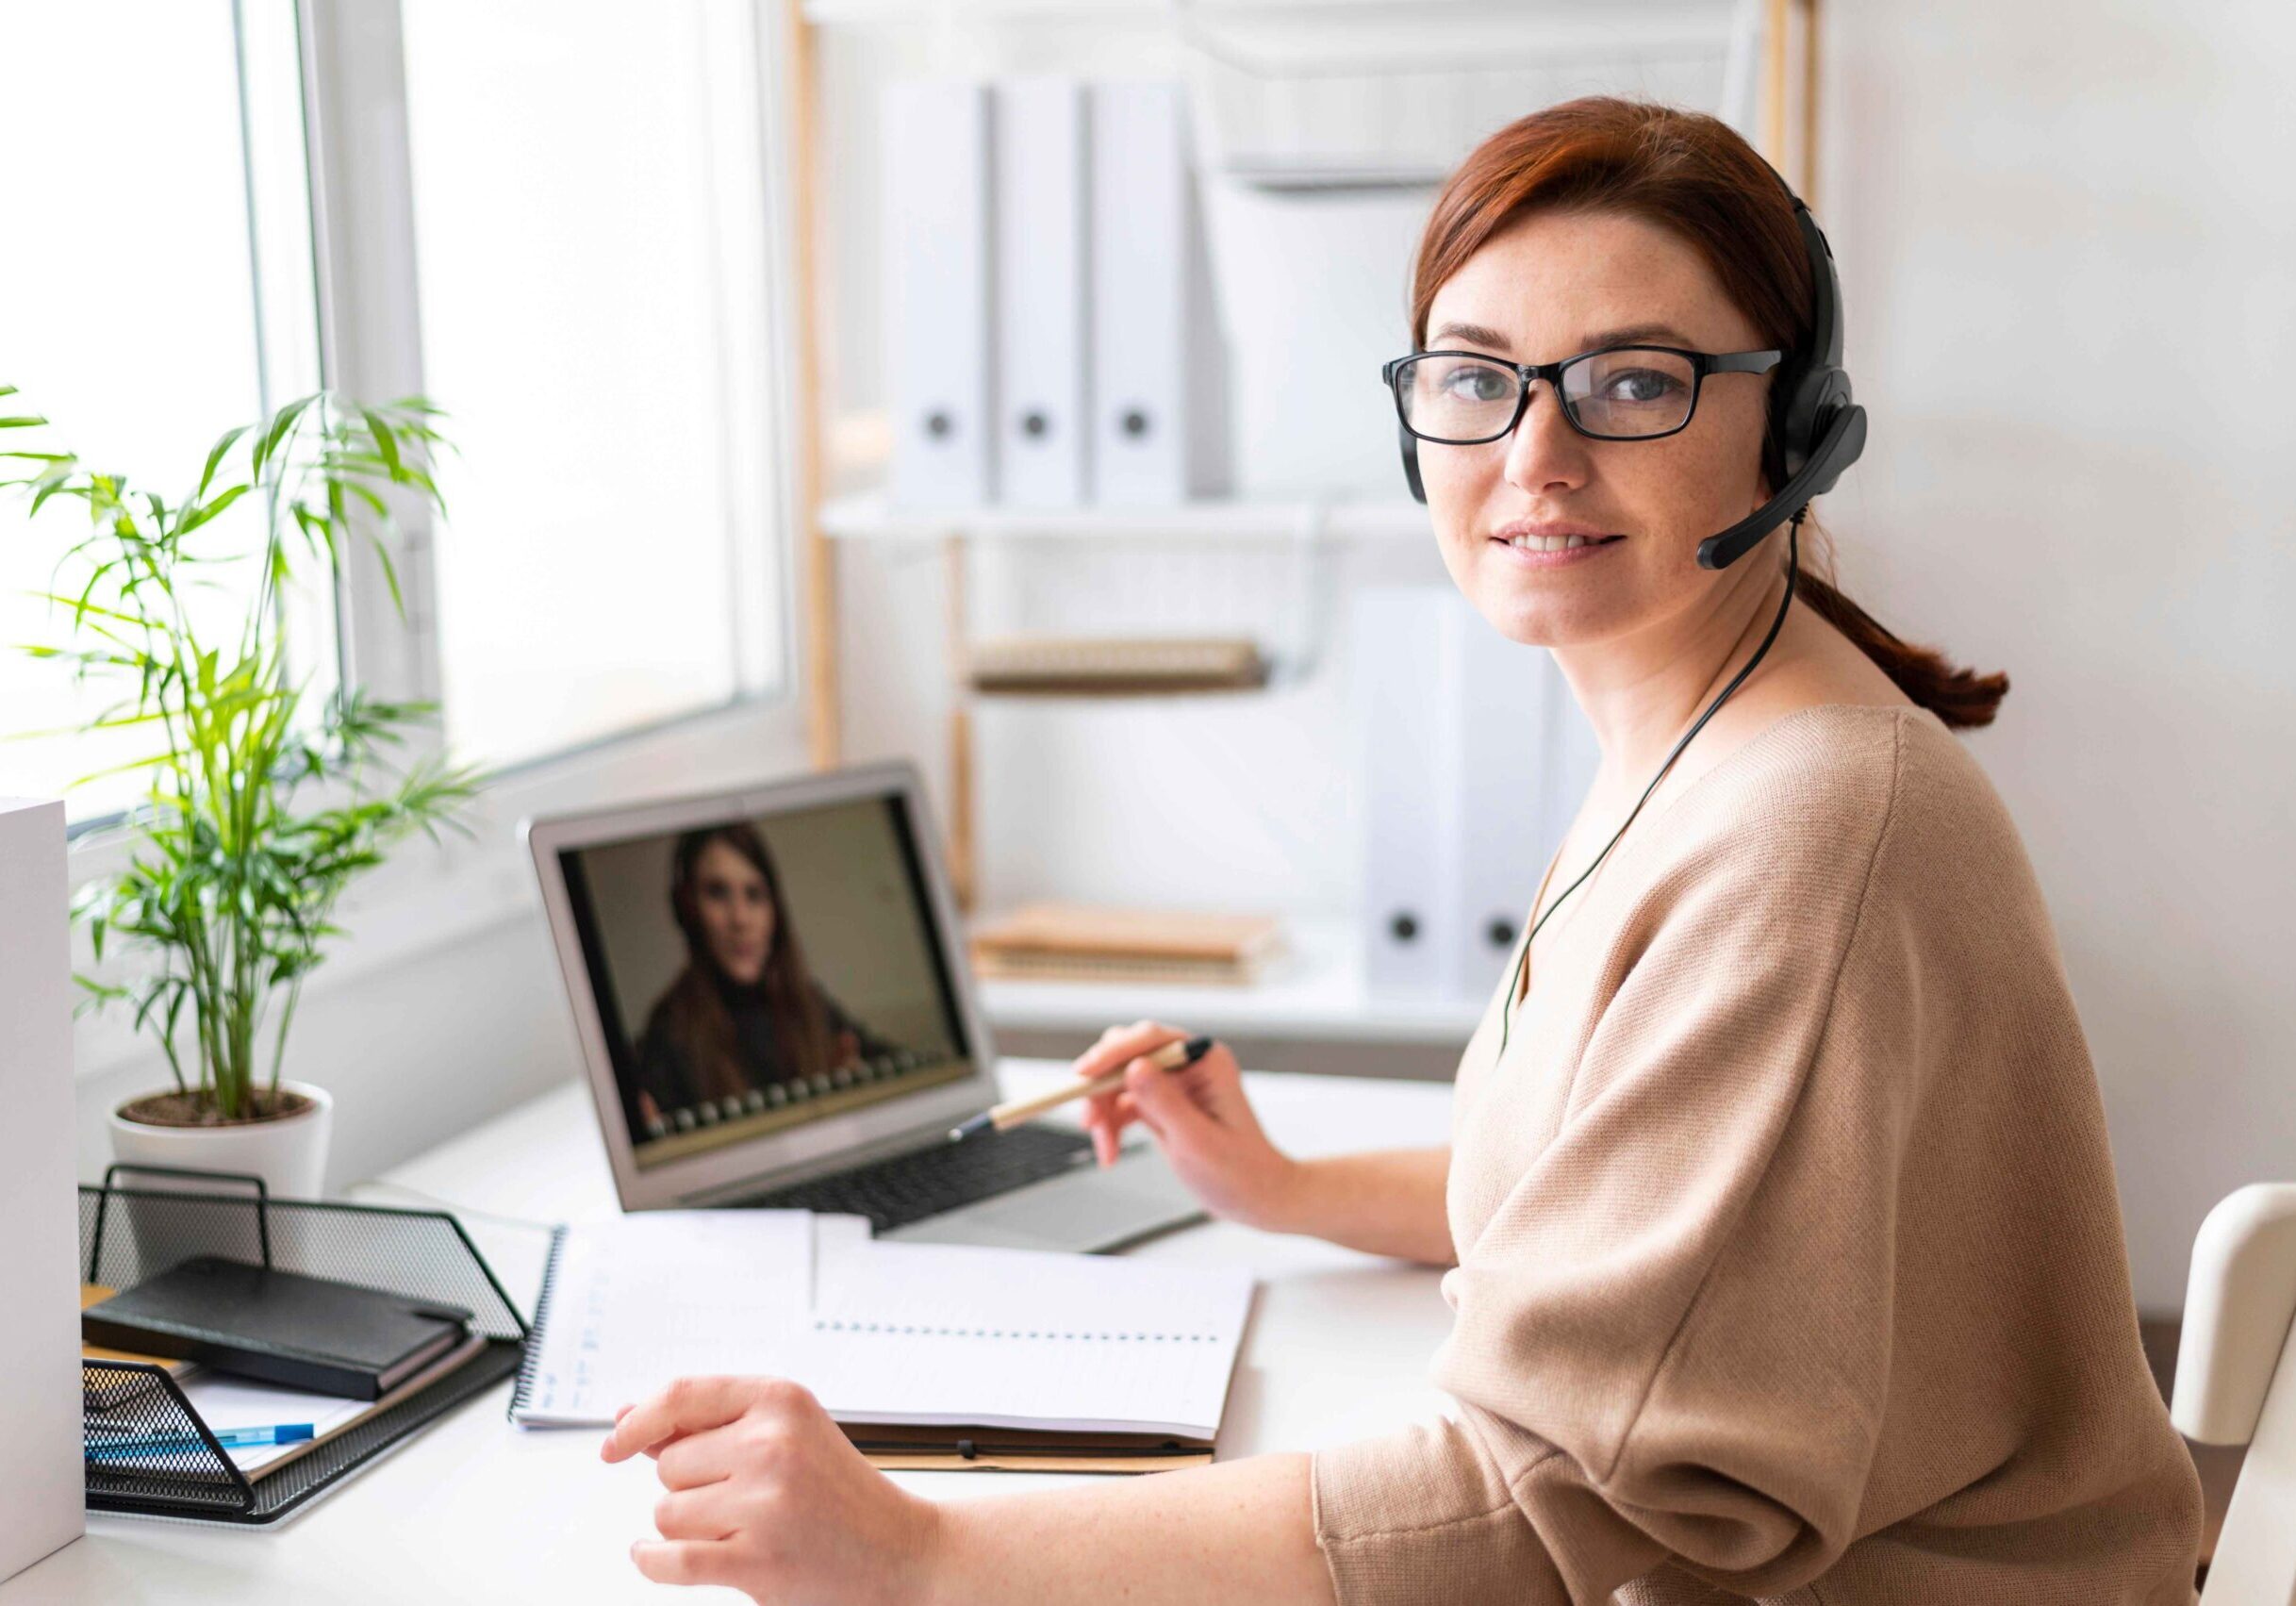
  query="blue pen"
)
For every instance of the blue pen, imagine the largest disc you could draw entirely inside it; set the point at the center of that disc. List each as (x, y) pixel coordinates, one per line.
(230, 1438)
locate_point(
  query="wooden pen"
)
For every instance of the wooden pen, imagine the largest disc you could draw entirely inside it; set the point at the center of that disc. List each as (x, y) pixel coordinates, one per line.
(1172, 1056)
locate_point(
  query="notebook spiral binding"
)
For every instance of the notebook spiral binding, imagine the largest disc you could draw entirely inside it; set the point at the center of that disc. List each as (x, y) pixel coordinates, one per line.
(522, 1390)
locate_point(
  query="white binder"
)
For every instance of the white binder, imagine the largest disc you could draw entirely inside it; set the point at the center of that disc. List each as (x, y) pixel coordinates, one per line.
(1505, 823)
(1409, 671)
(1526, 758)
(41, 1479)
(1573, 756)
(1042, 335)
(937, 240)
(1159, 424)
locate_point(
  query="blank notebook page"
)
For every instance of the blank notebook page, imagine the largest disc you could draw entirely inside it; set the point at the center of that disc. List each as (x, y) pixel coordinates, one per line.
(947, 1335)
(643, 1298)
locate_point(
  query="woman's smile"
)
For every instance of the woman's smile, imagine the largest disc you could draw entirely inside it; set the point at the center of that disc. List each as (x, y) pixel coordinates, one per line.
(1552, 545)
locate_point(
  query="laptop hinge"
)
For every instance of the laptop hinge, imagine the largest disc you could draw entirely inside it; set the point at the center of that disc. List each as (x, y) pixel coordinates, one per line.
(824, 1165)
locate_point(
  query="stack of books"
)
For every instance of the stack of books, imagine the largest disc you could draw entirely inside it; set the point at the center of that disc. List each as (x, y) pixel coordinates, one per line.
(272, 1363)
(1112, 666)
(1077, 942)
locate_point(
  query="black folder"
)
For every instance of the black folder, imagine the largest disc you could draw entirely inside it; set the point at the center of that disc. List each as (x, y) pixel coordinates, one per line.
(313, 1333)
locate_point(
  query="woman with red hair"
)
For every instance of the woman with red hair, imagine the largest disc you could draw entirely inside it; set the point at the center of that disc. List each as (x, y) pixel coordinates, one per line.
(1785, 1257)
(745, 1015)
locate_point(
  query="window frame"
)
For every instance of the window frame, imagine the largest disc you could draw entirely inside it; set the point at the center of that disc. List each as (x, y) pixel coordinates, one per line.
(362, 265)
(370, 334)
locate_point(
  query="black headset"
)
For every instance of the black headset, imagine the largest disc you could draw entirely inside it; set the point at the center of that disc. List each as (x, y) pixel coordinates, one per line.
(1817, 429)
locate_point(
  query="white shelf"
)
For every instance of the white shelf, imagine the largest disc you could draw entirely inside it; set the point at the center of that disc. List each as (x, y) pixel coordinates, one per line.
(887, 13)
(1315, 990)
(1366, 24)
(871, 517)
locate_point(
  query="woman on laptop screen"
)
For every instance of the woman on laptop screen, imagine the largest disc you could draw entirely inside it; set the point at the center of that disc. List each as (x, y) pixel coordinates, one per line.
(745, 1015)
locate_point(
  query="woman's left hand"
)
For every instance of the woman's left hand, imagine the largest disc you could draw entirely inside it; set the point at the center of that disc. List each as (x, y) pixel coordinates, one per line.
(766, 1495)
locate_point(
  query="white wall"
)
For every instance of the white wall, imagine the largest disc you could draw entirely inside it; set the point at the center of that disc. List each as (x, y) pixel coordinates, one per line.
(2067, 253)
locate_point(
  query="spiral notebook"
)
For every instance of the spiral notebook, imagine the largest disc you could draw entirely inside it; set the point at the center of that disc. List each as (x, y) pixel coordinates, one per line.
(928, 1354)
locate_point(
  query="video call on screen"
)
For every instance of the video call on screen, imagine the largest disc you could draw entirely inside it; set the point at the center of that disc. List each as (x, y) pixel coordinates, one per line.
(753, 975)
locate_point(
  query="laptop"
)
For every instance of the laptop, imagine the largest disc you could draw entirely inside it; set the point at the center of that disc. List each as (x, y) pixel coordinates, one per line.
(775, 1010)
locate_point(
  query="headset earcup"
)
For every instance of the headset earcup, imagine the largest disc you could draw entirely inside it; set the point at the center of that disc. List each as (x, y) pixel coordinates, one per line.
(1812, 403)
(1411, 465)
(1841, 442)
(1815, 429)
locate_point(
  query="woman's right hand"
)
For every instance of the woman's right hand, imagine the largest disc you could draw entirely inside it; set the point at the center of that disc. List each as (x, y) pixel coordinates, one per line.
(1201, 1119)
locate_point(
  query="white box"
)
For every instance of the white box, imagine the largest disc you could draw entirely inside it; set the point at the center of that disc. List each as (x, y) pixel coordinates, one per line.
(1160, 426)
(42, 1498)
(1316, 284)
(939, 381)
(1042, 332)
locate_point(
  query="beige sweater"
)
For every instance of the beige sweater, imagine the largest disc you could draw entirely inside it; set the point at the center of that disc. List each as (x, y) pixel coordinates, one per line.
(1790, 1264)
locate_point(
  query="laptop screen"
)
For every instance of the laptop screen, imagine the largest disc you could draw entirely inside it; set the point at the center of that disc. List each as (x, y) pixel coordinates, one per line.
(757, 974)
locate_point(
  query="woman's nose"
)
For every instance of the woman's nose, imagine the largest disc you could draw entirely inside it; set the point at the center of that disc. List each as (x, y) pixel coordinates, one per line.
(1544, 453)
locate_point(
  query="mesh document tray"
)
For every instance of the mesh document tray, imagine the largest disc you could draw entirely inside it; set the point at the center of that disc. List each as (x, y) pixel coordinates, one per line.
(129, 1233)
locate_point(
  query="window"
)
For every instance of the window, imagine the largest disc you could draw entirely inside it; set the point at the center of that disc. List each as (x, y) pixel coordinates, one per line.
(140, 200)
(588, 294)
(589, 211)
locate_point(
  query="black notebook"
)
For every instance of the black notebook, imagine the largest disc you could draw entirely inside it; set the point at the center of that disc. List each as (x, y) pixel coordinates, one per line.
(282, 1326)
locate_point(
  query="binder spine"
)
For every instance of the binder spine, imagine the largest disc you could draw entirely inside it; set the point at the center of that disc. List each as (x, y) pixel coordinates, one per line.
(522, 1391)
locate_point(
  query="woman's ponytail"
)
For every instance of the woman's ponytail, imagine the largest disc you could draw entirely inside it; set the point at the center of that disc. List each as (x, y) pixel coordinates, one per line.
(1963, 697)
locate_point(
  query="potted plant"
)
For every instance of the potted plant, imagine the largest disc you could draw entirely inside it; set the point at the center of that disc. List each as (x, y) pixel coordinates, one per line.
(262, 807)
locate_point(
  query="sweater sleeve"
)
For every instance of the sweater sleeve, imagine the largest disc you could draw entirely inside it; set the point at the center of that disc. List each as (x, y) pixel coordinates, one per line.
(1672, 1337)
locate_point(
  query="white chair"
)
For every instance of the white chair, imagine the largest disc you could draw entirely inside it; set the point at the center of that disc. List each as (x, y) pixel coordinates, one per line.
(2235, 1384)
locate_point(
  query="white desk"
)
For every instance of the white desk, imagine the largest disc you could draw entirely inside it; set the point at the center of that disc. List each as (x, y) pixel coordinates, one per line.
(474, 1510)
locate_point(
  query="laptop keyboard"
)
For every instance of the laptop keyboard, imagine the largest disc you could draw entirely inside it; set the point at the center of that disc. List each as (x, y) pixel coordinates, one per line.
(942, 1175)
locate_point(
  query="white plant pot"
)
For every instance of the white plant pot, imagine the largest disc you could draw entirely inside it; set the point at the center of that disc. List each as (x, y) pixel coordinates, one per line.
(291, 1155)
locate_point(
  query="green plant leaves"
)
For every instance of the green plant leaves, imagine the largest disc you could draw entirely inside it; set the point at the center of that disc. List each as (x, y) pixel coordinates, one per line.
(207, 475)
(206, 510)
(256, 822)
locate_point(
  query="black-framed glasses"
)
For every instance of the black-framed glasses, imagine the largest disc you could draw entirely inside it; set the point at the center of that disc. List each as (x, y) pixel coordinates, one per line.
(1616, 393)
